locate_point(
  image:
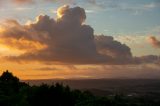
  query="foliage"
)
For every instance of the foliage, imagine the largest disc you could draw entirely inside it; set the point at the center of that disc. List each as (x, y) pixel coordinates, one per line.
(16, 93)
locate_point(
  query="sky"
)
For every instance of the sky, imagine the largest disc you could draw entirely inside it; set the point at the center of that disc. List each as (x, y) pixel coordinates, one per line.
(80, 39)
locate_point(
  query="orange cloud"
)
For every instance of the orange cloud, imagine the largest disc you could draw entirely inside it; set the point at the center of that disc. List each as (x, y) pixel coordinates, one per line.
(22, 1)
(15, 36)
(22, 44)
(154, 41)
(66, 40)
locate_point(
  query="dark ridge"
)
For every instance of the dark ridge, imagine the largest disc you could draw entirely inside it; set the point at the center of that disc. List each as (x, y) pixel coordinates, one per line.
(13, 92)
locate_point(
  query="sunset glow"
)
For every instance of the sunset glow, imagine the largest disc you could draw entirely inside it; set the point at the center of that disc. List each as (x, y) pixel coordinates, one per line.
(81, 40)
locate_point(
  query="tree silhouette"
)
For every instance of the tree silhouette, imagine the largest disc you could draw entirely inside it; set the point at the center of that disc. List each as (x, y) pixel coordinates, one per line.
(16, 93)
(8, 76)
(8, 81)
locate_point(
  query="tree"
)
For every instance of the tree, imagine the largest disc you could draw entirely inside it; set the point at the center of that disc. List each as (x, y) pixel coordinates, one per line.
(8, 77)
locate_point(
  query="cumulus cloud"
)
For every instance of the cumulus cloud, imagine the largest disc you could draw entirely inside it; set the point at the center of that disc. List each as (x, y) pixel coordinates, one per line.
(107, 45)
(18, 36)
(154, 41)
(65, 40)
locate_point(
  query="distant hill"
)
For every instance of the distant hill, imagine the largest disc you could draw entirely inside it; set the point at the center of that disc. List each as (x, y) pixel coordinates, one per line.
(104, 87)
(13, 92)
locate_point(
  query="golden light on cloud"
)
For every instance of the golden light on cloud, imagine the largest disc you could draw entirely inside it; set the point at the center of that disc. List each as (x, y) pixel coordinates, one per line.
(65, 41)
(61, 10)
(20, 46)
(1, 29)
(7, 51)
(3, 48)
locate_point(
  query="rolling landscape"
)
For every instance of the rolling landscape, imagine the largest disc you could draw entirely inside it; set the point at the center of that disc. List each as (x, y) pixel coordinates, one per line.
(79, 53)
(110, 87)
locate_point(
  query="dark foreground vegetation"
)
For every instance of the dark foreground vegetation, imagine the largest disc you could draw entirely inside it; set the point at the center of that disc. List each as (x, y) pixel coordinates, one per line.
(16, 93)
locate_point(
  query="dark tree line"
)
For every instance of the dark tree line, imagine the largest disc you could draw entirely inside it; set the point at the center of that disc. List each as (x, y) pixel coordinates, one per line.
(16, 93)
